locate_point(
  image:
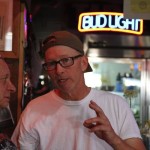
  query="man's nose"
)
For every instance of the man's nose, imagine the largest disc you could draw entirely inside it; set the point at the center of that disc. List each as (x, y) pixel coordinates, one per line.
(59, 68)
(11, 87)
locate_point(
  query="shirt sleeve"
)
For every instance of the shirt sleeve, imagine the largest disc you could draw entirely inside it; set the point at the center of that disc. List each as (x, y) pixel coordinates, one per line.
(128, 124)
(24, 136)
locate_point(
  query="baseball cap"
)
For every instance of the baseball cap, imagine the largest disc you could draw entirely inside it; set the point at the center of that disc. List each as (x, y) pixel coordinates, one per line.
(67, 39)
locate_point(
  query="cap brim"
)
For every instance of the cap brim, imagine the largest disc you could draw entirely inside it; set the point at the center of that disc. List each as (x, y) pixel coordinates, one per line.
(89, 69)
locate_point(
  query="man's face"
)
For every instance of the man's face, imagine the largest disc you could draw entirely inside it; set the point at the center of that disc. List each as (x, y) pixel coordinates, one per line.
(6, 86)
(66, 79)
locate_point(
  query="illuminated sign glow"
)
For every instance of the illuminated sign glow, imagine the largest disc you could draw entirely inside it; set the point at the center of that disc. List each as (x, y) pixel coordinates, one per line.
(109, 21)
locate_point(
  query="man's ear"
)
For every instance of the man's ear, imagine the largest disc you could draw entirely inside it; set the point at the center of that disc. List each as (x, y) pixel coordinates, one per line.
(84, 63)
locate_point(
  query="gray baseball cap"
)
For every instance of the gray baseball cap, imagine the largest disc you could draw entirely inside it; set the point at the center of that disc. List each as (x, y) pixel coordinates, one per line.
(67, 39)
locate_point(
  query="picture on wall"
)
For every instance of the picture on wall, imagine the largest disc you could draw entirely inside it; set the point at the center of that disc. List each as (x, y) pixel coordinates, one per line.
(6, 13)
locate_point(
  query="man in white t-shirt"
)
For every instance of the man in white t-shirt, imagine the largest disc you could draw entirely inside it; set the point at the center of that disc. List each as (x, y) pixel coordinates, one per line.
(74, 116)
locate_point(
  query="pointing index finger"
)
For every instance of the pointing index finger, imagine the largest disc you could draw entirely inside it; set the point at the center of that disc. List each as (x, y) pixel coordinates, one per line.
(96, 108)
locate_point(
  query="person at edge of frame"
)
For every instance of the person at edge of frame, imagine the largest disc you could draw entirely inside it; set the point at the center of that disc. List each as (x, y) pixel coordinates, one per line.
(6, 88)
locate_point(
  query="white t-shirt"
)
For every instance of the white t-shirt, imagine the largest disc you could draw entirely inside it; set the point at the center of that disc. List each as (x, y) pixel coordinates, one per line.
(51, 123)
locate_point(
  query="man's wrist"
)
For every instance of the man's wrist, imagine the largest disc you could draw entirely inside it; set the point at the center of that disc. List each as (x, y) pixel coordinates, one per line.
(117, 142)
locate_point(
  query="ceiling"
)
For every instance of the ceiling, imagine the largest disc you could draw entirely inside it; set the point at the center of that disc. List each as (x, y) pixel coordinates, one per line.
(48, 15)
(80, 5)
(51, 15)
(67, 11)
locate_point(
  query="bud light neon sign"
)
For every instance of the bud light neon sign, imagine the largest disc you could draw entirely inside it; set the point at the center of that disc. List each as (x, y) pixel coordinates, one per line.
(109, 21)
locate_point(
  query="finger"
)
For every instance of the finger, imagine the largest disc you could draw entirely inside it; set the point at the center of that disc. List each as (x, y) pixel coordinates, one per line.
(97, 120)
(87, 125)
(96, 108)
(100, 127)
(92, 120)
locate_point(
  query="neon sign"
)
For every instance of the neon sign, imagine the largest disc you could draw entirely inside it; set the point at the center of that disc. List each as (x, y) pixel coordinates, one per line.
(109, 21)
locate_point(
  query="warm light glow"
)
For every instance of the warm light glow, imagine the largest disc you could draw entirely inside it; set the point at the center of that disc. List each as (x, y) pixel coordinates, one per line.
(109, 21)
(8, 41)
(41, 77)
(42, 82)
(131, 82)
(93, 79)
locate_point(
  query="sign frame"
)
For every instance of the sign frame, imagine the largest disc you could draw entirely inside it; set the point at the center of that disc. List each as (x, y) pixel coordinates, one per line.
(113, 14)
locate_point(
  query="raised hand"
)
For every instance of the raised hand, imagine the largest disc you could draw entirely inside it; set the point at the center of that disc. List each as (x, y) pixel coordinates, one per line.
(100, 125)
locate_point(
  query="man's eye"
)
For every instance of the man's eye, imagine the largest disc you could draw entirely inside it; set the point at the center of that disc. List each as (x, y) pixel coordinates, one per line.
(4, 79)
(65, 60)
(51, 63)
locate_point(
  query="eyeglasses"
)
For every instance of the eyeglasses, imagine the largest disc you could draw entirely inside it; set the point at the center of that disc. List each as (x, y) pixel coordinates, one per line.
(65, 62)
